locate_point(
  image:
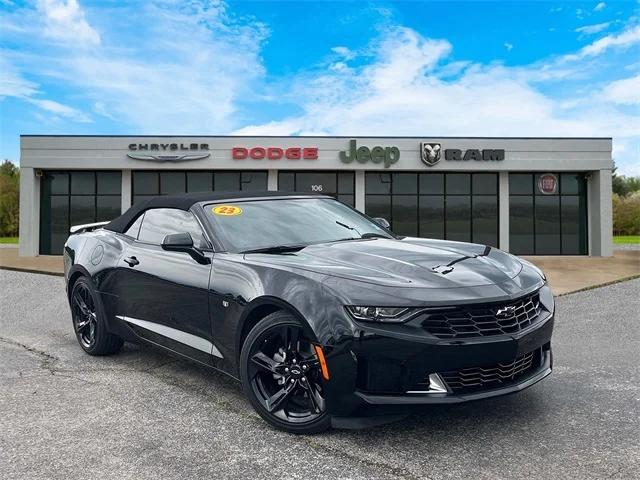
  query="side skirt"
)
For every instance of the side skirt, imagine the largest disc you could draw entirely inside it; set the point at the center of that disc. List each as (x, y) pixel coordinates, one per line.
(147, 330)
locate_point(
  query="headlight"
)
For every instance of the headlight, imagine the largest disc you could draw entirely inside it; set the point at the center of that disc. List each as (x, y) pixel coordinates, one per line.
(536, 269)
(380, 314)
(546, 298)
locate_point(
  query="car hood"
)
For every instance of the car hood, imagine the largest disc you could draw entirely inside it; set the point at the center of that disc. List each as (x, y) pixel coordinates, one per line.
(407, 262)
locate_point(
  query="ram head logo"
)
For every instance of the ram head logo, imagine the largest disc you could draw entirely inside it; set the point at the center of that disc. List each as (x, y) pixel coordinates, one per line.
(430, 153)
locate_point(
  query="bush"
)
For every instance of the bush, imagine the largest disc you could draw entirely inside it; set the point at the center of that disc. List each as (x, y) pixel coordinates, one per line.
(626, 214)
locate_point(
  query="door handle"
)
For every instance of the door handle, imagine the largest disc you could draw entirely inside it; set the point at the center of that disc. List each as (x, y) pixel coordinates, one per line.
(131, 261)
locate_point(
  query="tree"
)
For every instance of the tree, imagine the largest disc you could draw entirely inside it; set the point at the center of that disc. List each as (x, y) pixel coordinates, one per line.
(9, 199)
(622, 185)
(626, 214)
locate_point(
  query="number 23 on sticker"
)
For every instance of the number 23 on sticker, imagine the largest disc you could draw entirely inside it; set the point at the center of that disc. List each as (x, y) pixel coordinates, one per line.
(226, 210)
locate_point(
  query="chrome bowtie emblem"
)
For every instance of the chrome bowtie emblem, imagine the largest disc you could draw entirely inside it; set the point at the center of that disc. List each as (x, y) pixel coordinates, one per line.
(430, 153)
(506, 312)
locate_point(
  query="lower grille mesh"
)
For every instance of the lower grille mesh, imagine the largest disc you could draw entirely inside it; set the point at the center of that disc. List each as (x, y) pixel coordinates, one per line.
(502, 374)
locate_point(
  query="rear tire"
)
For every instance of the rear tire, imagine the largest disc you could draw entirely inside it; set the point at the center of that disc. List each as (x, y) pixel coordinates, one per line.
(281, 376)
(89, 320)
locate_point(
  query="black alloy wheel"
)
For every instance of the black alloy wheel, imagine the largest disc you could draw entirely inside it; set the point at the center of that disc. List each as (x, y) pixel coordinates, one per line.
(281, 375)
(88, 320)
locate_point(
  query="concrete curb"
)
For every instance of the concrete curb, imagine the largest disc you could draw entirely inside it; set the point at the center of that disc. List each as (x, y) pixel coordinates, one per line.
(30, 270)
(605, 284)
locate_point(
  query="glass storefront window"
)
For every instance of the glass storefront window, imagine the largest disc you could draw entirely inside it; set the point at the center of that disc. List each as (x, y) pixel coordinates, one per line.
(83, 183)
(253, 181)
(151, 184)
(109, 183)
(431, 184)
(520, 184)
(82, 209)
(431, 216)
(146, 183)
(403, 213)
(484, 226)
(521, 224)
(75, 198)
(172, 183)
(547, 224)
(340, 185)
(458, 183)
(454, 206)
(199, 181)
(458, 217)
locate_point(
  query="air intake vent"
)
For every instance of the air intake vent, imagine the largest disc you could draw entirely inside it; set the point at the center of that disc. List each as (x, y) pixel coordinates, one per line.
(495, 376)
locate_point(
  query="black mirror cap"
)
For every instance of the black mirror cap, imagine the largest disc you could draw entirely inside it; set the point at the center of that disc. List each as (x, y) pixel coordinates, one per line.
(177, 241)
(383, 222)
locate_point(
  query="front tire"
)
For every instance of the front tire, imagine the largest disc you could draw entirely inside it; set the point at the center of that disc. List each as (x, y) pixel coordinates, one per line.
(89, 322)
(281, 376)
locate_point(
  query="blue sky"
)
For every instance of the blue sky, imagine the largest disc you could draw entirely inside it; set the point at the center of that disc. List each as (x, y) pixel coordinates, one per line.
(347, 68)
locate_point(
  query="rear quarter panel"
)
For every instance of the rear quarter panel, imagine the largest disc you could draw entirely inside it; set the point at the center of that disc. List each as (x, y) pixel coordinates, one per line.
(95, 255)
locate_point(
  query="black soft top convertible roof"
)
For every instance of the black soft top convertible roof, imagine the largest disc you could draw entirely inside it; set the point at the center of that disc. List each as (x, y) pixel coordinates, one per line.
(186, 200)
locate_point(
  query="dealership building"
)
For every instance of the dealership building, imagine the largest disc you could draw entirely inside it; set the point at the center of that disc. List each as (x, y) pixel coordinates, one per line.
(529, 196)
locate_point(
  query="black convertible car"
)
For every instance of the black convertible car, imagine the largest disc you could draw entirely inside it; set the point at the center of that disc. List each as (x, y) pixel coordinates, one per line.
(324, 315)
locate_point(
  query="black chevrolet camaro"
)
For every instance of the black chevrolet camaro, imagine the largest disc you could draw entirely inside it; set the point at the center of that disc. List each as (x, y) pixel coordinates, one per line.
(324, 315)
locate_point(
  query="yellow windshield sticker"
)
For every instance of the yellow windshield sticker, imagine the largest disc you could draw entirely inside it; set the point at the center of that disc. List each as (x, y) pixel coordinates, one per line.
(226, 210)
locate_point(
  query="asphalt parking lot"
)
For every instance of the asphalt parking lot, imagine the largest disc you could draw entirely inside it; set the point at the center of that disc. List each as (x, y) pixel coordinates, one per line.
(142, 414)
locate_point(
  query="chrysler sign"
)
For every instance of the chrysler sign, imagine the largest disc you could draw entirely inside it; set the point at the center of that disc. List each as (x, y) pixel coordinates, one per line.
(197, 151)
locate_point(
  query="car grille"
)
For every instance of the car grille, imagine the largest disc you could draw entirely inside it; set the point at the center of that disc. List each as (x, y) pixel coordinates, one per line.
(495, 376)
(484, 320)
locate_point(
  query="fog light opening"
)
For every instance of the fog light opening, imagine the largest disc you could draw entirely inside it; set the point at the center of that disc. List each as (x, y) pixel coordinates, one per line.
(435, 385)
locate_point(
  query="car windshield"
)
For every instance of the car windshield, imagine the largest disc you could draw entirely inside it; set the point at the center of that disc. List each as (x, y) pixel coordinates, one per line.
(262, 224)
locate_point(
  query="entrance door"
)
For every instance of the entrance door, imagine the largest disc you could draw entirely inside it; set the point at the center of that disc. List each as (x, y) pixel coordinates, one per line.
(340, 185)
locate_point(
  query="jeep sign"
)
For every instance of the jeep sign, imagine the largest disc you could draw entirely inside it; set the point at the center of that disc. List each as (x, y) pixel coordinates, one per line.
(386, 155)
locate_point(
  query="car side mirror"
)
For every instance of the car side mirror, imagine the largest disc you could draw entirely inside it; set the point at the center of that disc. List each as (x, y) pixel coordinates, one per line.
(183, 242)
(178, 242)
(382, 222)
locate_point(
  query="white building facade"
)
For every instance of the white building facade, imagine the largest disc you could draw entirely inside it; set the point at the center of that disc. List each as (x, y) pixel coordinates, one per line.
(529, 196)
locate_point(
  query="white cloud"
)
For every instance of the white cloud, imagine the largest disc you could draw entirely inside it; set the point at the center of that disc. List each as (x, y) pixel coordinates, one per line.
(190, 67)
(65, 21)
(184, 71)
(59, 109)
(344, 52)
(599, 7)
(592, 29)
(405, 56)
(13, 84)
(626, 92)
(625, 39)
(508, 46)
(402, 93)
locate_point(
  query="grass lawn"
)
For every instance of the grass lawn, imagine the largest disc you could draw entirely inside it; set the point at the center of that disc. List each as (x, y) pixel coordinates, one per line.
(8, 239)
(625, 239)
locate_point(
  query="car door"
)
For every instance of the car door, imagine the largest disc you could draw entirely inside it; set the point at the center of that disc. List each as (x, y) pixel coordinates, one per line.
(164, 295)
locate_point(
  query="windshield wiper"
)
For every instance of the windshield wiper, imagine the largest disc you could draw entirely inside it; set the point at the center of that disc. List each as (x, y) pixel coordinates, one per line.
(276, 249)
(348, 227)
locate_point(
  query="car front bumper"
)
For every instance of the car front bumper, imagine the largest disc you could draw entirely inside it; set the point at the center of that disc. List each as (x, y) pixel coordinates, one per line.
(379, 370)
